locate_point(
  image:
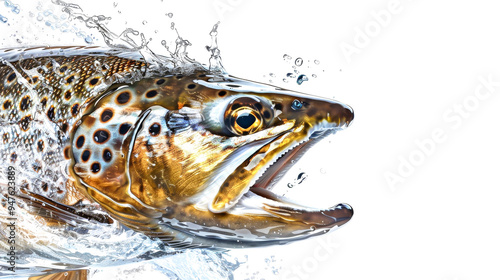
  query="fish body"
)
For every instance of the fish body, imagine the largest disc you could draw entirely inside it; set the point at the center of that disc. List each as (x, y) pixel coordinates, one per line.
(190, 159)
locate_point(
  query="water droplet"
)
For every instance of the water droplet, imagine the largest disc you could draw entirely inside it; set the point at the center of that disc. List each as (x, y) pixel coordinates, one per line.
(3, 19)
(290, 185)
(164, 43)
(290, 75)
(302, 78)
(144, 22)
(313, 228)
(170, 15)
(115, 4)
(285, 80)
(299, 61)
(172, 25)
(301, 177)
(88, 40)
(322, 171)
(287, 57)
(156, 31)
(314, 76)
(316, 62)
(272, 75)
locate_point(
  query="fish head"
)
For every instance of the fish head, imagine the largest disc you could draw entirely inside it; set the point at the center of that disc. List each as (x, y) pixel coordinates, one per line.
(195, 158)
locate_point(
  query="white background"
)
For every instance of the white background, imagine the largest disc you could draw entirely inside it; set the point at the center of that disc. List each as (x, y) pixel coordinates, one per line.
(410, 71)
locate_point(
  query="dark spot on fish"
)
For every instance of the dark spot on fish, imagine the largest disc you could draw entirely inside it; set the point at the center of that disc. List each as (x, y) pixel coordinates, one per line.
(107, 155)
(141, 188)
(101, 136)
(11, 77)
(234, 86)
(60, 191)
(64, 127)
(123, 97)
(94, 81)
(106, 115)
(13, 157)
(40, 146)
(222, 93)
(7, 104)
(6, 138)
(160, 81)
(45, 187)
(95, 167)
(179, 76)
(235, 106)
(51, 113)
(202, 75)
(63, 69)
(267, 114)
(67, 94)
(70, 79)
(74, 109)
(85, 155)
(34, 80)
(80, 141)
(66, 152)
(154, 129)
(37, 166)
(124, 127)
(151, 93)
(24, 123)
(258, 106)
(278, 106)
(25, 103)
(44, 101)
(191, 86)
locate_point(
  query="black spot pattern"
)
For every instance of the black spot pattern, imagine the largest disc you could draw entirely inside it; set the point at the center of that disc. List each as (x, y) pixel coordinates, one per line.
(7, 104)
(123, 97)
(101, 136)
(155, 129)
(25, 103)
(80, 141)
(191, 86)
(85, 155)
(160, 81)
(94, 81)
(11, 77)
(151, 93)
(107, 155)
(95, 167)
(124, 128)
(74, 109)
(222, 93)
(40, 146)
(51, 113)
(106, 115)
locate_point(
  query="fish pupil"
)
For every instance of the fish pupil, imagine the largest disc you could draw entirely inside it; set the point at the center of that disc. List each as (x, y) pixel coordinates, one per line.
(245, 120)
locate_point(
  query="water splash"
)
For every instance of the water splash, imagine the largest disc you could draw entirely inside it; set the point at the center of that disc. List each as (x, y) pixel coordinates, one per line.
(300, 178)
(3, 19)
(13, 7)
(302, 78)
(215, 62)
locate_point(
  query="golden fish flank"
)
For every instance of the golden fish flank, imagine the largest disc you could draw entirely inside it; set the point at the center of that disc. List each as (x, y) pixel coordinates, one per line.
(190, 159)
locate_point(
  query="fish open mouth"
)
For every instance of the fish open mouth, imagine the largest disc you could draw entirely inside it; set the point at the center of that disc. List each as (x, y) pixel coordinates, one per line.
(259, 197)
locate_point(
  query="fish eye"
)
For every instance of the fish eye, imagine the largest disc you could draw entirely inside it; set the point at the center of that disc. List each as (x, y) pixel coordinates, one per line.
(245, 120)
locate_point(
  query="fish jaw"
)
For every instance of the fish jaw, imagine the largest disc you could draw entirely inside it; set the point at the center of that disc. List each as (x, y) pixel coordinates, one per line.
(198, 157)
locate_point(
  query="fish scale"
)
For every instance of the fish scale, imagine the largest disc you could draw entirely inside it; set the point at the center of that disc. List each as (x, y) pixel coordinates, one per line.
(41, 95)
